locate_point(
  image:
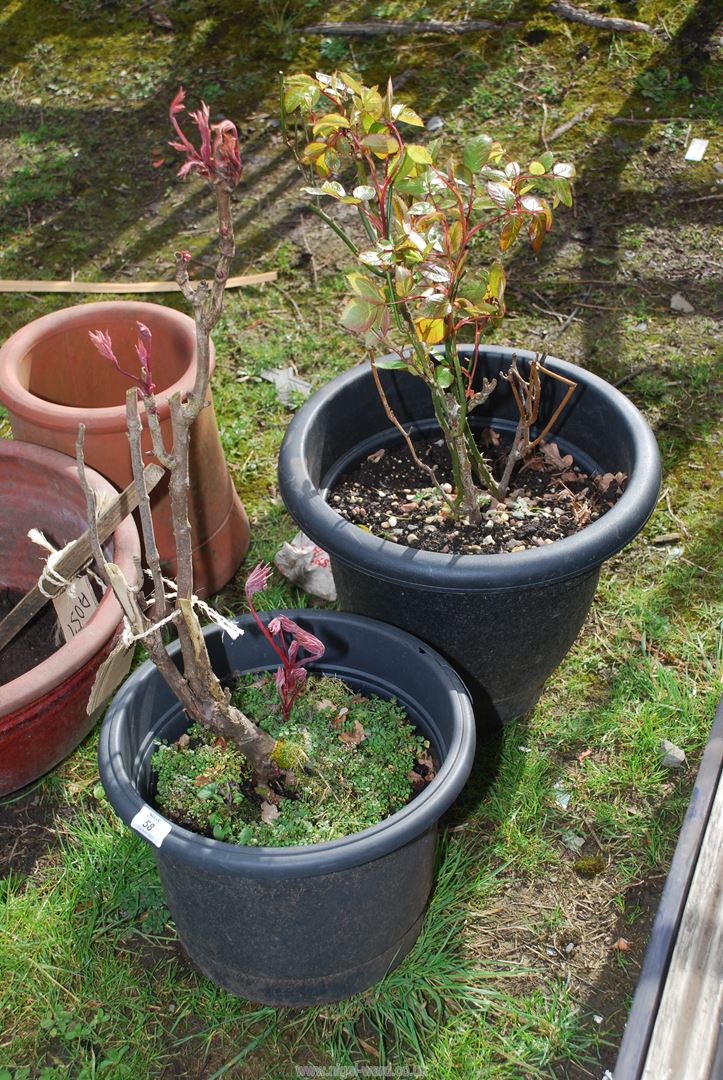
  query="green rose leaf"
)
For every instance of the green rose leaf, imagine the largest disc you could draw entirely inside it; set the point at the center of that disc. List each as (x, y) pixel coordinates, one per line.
(476, 152)
(501, 195)
(391, 363)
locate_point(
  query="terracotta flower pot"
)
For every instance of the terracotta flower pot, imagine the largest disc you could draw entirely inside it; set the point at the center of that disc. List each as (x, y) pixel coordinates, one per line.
(52, 379)
(43, 712)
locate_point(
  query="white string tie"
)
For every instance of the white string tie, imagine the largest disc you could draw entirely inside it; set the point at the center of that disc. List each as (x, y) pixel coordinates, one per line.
(50, 576)
(227, 627)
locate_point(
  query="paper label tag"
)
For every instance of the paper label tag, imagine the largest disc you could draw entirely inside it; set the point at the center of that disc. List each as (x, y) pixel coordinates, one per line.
(110, 675)
(73, 612)
(151, 825)
(696, 150)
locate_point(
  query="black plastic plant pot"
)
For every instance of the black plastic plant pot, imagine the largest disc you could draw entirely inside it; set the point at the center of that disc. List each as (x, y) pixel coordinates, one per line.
(298, 925)
(506, 620)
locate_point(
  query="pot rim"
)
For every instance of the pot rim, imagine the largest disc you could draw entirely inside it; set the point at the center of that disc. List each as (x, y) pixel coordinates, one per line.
(67, 417)
(569, 557)
(74, 654)
(184, 846)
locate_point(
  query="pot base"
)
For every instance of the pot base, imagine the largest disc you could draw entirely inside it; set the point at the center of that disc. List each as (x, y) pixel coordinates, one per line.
(303, 925)
(330, 916)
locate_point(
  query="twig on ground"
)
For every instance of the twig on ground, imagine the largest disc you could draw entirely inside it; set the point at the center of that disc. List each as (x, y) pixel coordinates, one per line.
(287, 296)
(376, 27)
(561, 129)
(632, 375)
(543, 126)
(600, 22)
(678, 521)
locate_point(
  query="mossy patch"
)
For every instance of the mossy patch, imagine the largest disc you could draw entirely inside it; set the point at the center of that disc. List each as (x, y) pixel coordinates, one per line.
(344, 764)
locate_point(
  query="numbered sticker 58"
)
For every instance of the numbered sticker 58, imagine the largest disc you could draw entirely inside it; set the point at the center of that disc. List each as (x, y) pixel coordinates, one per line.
(151, 825)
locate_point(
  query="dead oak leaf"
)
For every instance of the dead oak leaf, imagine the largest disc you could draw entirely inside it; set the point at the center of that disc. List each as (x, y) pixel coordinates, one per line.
(490, 437)
(269, 812)
(426, 765)
(417, 781)
(353, 738)
(608, 480)
(621, 945)
(554, 458)
(340, 717)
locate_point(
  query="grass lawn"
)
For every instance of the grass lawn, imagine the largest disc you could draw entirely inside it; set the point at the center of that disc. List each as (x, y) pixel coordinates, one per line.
(552, 862)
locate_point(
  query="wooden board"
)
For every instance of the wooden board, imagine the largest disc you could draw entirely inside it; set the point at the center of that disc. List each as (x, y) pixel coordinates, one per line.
(669, 916)
(685, 1036)
(120, 287)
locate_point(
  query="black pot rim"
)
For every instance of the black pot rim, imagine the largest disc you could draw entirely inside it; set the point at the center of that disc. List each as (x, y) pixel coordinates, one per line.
(565, 558)
(263, 862)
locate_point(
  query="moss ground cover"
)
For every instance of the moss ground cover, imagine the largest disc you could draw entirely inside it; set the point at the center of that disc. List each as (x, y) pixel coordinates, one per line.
(558, 848)
(349, 758)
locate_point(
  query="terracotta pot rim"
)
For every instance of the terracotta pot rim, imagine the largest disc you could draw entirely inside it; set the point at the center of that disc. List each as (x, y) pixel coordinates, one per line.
(64, 417)
(72, 656)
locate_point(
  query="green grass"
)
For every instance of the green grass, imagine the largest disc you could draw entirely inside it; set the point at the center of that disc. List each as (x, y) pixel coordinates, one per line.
(92, 982)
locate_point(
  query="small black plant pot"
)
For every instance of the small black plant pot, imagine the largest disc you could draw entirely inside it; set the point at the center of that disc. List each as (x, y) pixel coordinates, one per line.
(507, 620)
(300, 925)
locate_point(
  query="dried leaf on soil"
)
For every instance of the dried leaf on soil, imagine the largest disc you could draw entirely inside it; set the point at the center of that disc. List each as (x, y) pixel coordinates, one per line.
(353, 738)
(269, 812)
(554, 458)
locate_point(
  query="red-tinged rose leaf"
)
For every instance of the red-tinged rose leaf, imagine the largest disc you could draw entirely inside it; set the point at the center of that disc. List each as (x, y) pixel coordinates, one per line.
(621, 945)
(353, 738)
(269, 812)
(536, 230)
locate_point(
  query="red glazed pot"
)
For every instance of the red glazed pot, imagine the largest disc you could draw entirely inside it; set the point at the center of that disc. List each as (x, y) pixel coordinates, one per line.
(52, 379)
(42, 713)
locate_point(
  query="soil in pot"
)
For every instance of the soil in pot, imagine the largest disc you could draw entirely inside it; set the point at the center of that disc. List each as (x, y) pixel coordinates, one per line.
(550, 498)
(345, 763)
(38, 639)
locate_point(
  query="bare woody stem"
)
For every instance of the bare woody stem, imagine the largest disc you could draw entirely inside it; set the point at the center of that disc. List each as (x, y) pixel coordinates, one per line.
(90, 511)
(144, 506)
(431, 473)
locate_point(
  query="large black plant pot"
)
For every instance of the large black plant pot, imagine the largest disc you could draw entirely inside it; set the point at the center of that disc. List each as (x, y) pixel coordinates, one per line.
(300, 925)
(505, 620)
